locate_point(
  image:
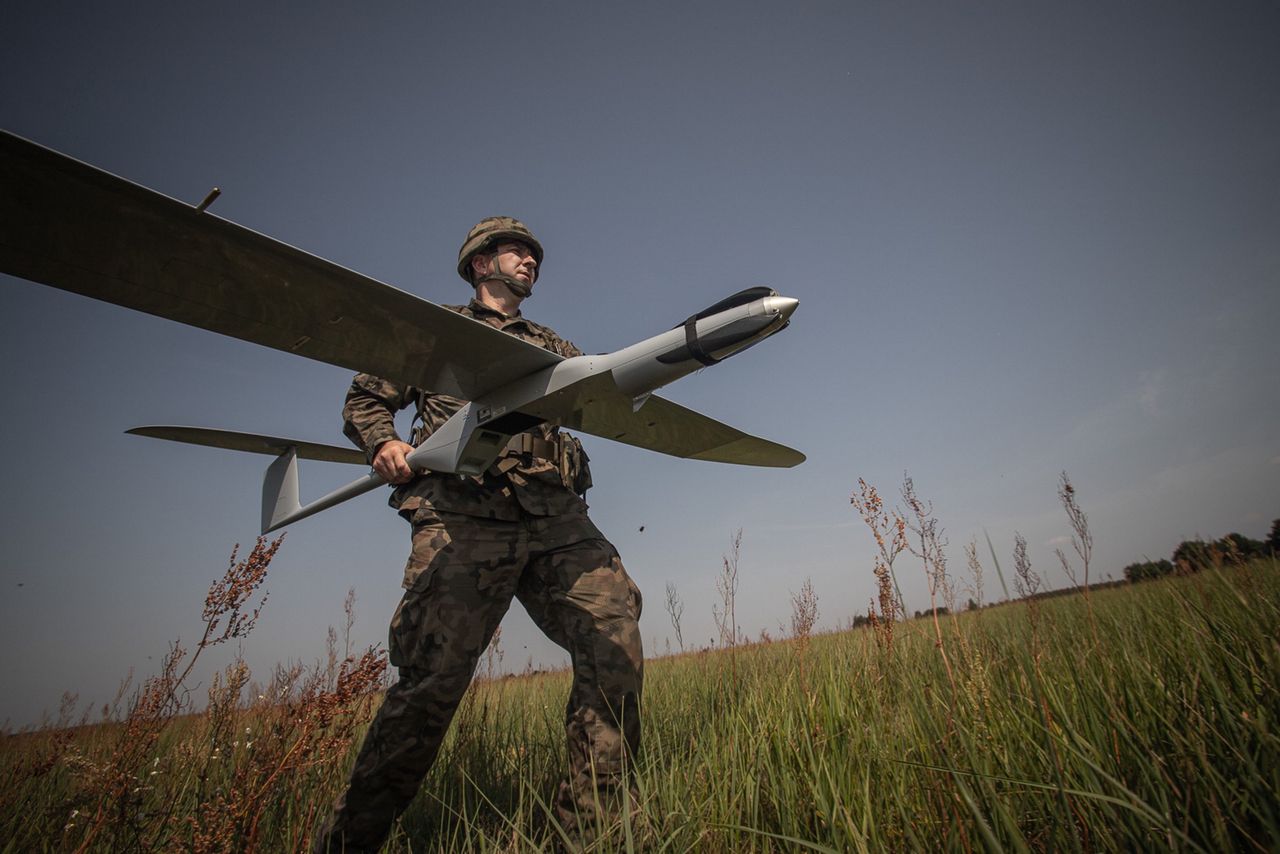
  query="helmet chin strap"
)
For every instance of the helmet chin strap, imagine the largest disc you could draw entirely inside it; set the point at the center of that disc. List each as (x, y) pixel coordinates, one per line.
(517, 287)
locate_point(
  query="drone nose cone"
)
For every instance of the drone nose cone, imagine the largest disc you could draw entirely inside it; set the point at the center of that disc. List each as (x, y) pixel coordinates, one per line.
(784, 306)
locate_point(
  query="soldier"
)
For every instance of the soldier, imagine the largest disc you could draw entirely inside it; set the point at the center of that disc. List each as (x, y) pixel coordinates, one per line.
(518, 530)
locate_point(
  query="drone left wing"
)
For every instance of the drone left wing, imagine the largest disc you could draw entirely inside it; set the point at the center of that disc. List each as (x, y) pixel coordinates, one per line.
(66, 224)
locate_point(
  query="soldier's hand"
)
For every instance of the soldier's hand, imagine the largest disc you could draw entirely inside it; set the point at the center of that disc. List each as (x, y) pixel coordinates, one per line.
(389, 462)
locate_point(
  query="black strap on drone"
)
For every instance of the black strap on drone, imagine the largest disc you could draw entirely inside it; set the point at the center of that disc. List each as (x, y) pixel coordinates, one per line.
(695, 345)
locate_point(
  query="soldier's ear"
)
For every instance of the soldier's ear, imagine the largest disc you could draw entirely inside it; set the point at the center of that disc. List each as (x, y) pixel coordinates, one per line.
(479, 266)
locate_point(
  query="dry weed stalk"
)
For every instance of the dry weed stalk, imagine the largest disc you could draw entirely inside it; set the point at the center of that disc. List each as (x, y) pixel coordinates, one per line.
(1027, 582)
(349, 611)
(1081, 537)
(229, 596)
(804, 612)
(300, 726)
(1025, 579)
(119, 788)
(725, 613)
(493, 655)
(236, 777)
(931, 549)
(975, 571)
(804, 616)
(675, 609)
(890, 533)
(1081, 542)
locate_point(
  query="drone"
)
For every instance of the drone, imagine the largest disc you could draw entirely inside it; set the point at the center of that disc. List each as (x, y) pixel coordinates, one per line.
(69, 225)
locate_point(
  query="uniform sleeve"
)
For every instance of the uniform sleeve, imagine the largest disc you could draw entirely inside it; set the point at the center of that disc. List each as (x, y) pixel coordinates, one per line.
(369, 414)
(570, 349)
(558, 345)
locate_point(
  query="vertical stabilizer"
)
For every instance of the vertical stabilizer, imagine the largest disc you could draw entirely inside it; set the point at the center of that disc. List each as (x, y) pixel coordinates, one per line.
(280, 490)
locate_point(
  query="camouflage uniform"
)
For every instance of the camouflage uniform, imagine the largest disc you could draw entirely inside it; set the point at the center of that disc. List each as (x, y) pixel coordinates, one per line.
(519, 530)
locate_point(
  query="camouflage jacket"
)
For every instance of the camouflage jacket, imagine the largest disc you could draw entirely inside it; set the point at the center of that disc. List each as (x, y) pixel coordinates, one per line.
(515, 483)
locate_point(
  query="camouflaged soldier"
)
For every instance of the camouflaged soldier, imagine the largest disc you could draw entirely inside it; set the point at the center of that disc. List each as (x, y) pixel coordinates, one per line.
(518, 530)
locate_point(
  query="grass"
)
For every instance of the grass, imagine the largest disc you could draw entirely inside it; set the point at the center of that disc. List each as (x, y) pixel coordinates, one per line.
(1144, 719)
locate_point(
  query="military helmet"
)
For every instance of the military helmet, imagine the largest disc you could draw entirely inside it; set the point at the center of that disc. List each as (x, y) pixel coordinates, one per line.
(491, 231)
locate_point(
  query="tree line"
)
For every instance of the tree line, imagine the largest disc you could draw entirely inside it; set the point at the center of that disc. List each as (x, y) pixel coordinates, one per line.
(1195, 555)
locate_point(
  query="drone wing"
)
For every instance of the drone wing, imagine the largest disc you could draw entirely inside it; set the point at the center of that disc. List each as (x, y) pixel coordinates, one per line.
(670, 428)
(254, 443)
(69, 225)
(596, 406)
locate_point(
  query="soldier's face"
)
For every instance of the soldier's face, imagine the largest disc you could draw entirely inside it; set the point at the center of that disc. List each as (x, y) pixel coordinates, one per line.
(516, 260)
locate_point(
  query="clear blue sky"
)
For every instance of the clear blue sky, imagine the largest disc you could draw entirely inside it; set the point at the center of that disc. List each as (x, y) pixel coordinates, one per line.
(1025, 238)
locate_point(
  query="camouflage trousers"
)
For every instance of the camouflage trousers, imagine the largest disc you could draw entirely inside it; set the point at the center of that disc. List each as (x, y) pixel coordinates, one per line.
(459, 582)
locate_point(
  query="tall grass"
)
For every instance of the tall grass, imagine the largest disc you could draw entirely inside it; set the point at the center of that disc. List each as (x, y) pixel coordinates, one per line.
(1159, 735)
(1148, 720)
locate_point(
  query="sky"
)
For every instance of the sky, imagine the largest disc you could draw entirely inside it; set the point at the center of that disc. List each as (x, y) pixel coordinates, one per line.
(1025, 238)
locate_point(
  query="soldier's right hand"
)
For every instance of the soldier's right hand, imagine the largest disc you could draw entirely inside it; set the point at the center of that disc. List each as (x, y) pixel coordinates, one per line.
(389, 461)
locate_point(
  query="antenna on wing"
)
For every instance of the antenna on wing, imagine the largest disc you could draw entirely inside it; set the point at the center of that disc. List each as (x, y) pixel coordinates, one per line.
(208, 200)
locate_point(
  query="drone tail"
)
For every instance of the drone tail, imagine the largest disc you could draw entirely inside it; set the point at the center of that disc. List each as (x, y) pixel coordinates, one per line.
(280, 503)
(280, 491)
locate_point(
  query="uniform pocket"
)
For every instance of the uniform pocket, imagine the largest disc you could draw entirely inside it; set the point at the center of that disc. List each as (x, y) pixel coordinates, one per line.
(429, 538)
(637, 600)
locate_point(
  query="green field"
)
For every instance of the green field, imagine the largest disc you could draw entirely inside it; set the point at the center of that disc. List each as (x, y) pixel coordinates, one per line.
(1143, 719)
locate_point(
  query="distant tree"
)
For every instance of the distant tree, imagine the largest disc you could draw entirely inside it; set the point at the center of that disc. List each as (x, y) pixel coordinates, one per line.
(1273, 539)
(1147, 569)
(1192, 556)
(973, 604)
(942, 611)
(1235, 547)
